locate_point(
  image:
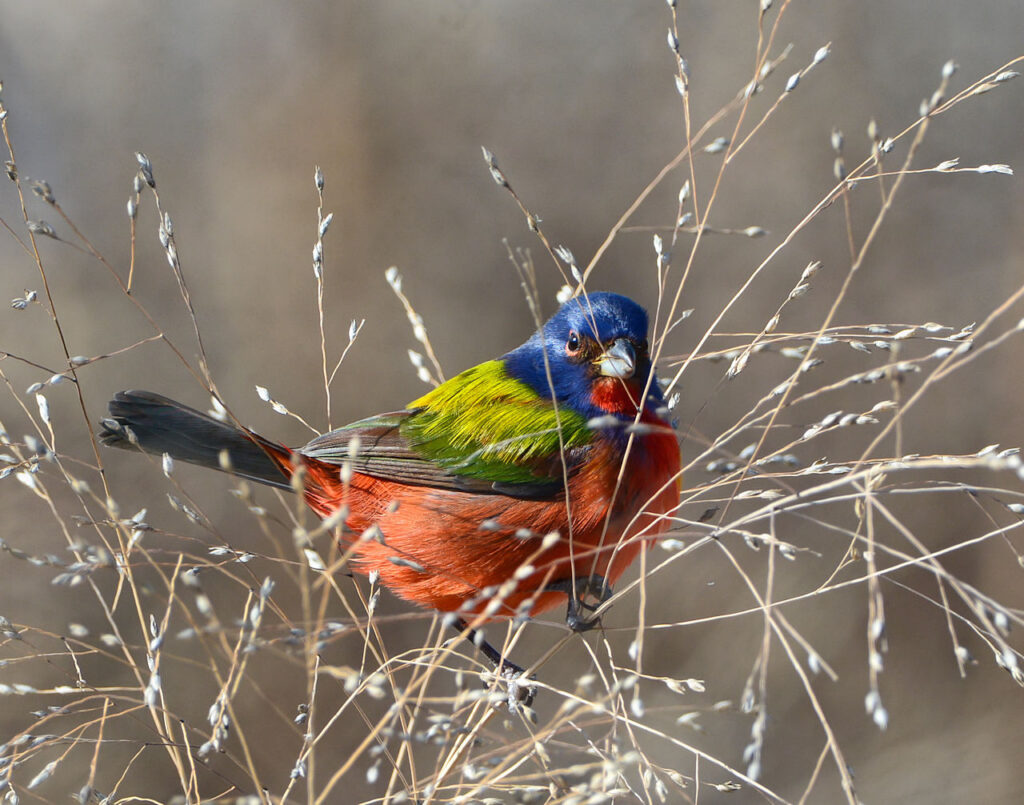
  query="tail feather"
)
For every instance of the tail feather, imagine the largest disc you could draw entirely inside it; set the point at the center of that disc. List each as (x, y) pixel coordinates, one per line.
(161, 425)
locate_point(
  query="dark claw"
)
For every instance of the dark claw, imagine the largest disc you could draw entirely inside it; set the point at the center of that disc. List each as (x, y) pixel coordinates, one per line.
(520, 691)
(595, 585)
(578, 623)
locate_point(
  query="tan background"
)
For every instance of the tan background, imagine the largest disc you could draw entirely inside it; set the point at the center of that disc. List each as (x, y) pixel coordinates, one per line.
(236, 102)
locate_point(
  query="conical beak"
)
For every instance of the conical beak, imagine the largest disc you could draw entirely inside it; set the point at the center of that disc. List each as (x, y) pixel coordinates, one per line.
(618, 360)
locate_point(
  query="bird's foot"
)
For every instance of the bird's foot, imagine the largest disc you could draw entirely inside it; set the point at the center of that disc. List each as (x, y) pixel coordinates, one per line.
(520, 689)
(577, 592)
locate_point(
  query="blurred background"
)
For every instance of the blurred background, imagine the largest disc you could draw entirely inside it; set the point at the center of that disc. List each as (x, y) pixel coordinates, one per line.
(235, 103)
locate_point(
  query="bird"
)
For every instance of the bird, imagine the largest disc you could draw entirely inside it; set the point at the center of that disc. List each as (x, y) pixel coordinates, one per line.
(522, 483)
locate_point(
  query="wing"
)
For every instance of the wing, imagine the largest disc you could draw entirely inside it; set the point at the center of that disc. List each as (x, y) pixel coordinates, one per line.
(482, 431)
(382, 451)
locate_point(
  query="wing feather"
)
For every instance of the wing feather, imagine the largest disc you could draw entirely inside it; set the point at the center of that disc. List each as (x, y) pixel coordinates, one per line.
(481, 431)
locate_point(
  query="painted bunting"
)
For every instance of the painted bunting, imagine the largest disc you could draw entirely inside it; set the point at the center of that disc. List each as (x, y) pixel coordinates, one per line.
(519, 484)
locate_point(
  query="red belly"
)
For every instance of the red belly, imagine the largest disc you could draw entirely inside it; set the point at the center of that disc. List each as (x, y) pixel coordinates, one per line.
(452, 551)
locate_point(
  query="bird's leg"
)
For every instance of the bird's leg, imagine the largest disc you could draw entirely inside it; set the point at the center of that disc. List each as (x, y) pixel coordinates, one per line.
(518, 692)
(584, 585)
(490, 652)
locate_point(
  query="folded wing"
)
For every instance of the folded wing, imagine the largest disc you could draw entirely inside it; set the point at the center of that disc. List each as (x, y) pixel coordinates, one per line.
(481, 431)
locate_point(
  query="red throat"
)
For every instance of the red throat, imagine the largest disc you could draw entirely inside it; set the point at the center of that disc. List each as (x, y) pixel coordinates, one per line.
(616, 396)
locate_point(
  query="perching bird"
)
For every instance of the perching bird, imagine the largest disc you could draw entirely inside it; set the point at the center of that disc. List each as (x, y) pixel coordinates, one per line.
(454, 499)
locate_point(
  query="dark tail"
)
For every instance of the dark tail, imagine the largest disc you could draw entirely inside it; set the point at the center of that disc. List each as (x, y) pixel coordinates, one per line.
(160, 425)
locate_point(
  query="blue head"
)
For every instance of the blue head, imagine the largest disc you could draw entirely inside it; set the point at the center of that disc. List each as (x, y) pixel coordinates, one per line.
(597, 351)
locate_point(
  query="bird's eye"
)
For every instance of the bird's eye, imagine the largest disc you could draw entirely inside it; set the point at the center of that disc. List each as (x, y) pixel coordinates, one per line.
(572, 346)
